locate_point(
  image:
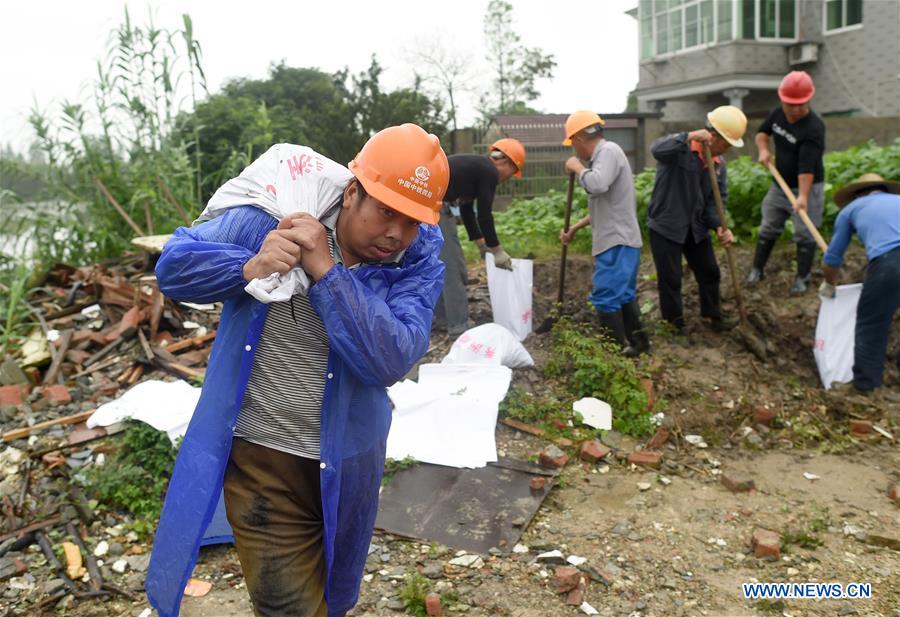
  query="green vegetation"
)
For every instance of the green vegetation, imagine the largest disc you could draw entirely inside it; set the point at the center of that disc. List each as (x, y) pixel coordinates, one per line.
(392, 466)
(135, 478)
(415, 588)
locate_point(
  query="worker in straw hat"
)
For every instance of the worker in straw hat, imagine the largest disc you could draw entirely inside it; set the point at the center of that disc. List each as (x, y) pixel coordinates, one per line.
(799, 136)
(616, 235)
(870, 208)
(293, 417)
(682, 212)
(470, 196)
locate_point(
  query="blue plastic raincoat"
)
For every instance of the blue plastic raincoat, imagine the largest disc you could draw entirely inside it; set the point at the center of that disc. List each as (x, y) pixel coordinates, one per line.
(378, 319)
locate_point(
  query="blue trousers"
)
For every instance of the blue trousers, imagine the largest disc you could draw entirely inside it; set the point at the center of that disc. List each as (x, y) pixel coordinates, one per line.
(878, 302)
(615, 278)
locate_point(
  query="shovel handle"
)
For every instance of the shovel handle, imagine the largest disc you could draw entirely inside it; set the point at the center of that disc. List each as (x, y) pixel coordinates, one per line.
(565, 247)
(801, 213)
(720, 208)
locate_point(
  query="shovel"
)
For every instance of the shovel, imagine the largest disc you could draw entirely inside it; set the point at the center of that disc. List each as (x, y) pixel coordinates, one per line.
(548, 322)
(801, 213)
(751, 341)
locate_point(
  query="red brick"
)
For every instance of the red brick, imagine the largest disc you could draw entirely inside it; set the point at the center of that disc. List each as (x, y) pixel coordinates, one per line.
(592, 451)
(576, 596)
(659, 439)
(647, 387)
(163, 337)
(564, 442)
(131, 319)
(894, 492)
(566, 578)
(763, 415)
(766, 543)
(861, 427)
(558, 424)
(433, 604)
(537, 483)
(57, 394)
(737, 483)
(13, 395)
(552, 456)
(645, 459)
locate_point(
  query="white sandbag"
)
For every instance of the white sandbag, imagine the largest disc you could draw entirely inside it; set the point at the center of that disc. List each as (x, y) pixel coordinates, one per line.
(490, 343)
(835, 335)
(286, 179)
(510, 293)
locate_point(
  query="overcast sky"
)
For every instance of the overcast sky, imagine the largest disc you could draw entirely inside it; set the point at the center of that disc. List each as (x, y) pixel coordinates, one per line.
(49, 49)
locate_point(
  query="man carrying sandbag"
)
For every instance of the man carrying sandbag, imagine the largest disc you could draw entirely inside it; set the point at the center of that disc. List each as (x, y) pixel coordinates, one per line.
(682, 212)
(473, 182)
(616, 235)
(870, 208)
(293, 416)
(799, 146)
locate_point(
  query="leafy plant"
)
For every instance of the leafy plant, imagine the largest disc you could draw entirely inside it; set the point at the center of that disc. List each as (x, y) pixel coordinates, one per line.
(135, 479)
(392, 466)
(593, 366)
(415, 588)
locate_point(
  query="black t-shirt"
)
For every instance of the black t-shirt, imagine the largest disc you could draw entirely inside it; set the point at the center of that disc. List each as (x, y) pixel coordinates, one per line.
(474, 177)
(798, 147)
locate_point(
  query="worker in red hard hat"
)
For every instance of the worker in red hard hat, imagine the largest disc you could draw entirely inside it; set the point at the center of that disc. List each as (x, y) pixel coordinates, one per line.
(799, 147)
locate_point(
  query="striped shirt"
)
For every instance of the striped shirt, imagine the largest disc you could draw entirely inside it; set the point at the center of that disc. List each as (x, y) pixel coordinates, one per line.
(282, 405)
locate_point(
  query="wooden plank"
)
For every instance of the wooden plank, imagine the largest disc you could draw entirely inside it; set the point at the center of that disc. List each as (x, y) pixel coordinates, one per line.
(25, 431)
(521, 426)
(50, 522)
(190, 342)
(64, 342)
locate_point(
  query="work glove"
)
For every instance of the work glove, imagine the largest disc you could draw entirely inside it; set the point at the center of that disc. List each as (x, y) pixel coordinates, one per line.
(503, 260)
(482, 250)
(826, 290)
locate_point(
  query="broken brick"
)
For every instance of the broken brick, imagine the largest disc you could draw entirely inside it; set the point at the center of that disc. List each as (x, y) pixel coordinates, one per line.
(861, 427)
(553, 457)
(13, 396)
(894, 492)
(763, 415)
(558, 424)
(592, 451)
(576, 596)
(766, 543)
(564, 442)
(737, 483)
(537, 483)
(57, 395)
(645, 459)
(433, 605)
(566, 578)
(650, 391)
(659, 439)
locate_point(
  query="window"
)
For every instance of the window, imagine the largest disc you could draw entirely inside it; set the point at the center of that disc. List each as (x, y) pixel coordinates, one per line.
(669, 26)
(842, 14)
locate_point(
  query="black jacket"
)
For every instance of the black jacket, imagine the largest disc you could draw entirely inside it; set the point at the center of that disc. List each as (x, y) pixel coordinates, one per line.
(682, 199)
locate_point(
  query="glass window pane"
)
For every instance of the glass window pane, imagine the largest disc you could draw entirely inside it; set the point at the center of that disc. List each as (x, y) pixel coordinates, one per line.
(833, 19)
(690, 25)
(767, 19)
(854, 12)
(662, 33)
(661, 5)
(675, 29)
(748, 19)
(647, 38)
(723, 30)
(706, 21)
(786, 19)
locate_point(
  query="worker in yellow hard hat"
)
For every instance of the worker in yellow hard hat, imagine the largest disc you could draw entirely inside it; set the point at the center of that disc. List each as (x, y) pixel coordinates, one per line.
(682, 212)
(603, 170)
(473, 181)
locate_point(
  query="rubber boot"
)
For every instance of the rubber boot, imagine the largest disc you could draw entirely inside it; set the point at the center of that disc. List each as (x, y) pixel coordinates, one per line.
(613, 326)
(634, 328)
(764, 248)
(805, 255)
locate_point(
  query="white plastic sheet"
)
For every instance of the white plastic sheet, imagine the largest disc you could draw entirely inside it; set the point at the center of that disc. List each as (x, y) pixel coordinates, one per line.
(449, 416)
(286, 179)
(165, 405)
(488, 344)
(835, 335)
(510, 293)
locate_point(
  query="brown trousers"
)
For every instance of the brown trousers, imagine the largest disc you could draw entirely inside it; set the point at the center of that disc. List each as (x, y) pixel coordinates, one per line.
(274, 504)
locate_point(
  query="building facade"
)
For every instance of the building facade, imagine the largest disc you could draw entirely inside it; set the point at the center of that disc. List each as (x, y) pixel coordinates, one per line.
(698, 54)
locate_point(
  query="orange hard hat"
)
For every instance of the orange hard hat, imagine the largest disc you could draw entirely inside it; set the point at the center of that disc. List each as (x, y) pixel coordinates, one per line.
(796, 88)
(514, 151)
(579, 121)
(406, 169)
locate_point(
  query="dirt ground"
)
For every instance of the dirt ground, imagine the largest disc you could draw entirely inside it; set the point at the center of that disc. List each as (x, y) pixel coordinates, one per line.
(678, 544)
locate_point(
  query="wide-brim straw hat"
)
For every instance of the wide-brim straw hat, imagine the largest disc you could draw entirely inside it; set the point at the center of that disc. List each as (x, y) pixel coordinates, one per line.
(847, 193)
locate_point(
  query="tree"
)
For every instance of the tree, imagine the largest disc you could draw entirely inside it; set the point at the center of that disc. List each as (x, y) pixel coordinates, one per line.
(447, 71)
(516, 68)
